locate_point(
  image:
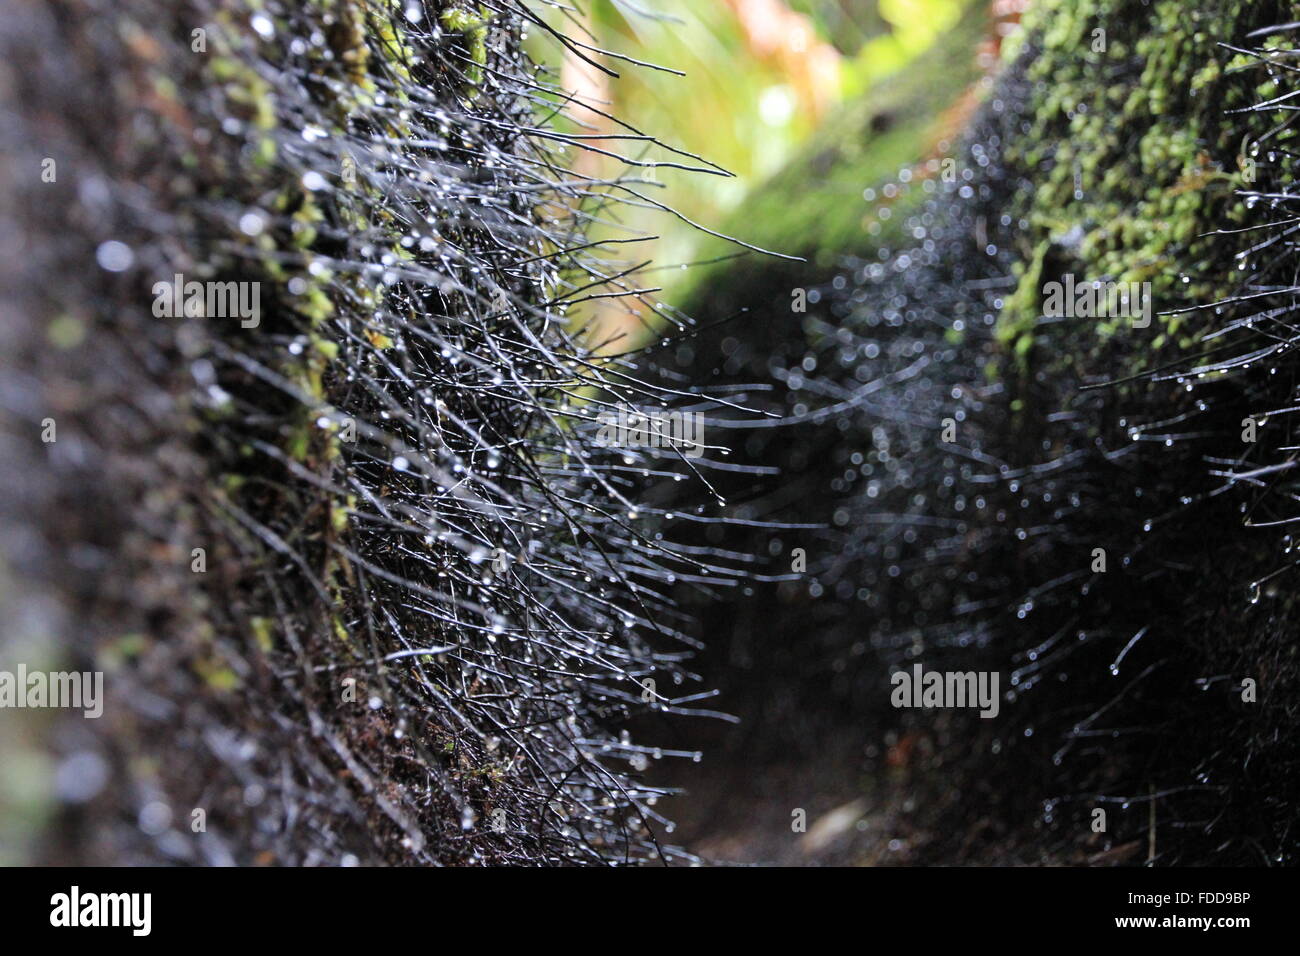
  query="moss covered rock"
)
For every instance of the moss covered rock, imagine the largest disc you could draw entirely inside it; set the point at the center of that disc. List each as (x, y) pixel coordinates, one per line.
(980, 479)
(366, 585)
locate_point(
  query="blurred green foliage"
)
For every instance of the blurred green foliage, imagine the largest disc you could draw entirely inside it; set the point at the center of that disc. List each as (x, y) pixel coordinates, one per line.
(761, 78)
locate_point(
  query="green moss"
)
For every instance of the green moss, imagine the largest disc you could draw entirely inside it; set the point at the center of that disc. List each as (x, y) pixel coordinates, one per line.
(1131, 154)
(263, 632)
(474, 29)
(1020, 312)
(66, 331)
(218, 677)
(347, 39)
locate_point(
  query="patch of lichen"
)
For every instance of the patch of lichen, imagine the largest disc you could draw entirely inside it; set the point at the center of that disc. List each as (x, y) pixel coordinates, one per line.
(365, 44)
(1135, 161)
(363, 49)
(365, 54)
